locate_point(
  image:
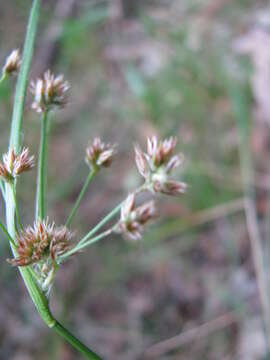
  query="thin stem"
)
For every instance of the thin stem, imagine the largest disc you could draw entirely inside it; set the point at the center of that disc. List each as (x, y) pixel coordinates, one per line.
(77, 344)
(81, 245)
(90, 176)
(3, 77)
(42, 168)
(2, 187)
(107, 218)
(16, 206)
(33, 273)
(38, 297)
(241, 108)
(7, 234)
(35, 293)
(19, 100)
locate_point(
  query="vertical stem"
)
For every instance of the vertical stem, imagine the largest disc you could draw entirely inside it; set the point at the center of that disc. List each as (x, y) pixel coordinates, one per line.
(19, 100)
(90, 176)
(16, 207)
(241, 108)
(2, 187)
(39, 299)
(42, 168)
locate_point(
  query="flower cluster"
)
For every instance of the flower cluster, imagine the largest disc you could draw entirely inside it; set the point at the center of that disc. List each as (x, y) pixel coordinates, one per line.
(157, 164)
(49, 91)
(13, 63)
(40, 242)
(133, 219)
(14, 164)
(99, 154)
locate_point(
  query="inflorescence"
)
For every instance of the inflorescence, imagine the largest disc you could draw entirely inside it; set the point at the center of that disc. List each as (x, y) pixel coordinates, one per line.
(14, 164)
(12, 64)
(44, 246)
(49, 91)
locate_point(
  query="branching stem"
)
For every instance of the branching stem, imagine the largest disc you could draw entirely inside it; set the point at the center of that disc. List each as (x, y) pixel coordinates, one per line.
(7, 234)
(81, 245)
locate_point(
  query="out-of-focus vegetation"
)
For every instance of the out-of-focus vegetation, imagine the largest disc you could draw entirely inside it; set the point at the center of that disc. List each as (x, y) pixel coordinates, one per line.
(137, 68)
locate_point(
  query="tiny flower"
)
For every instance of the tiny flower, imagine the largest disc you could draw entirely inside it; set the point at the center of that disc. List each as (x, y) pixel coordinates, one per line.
(99, 154)
(49, 91)
(170, 187)
(133, 219)
(41, 242)
(157, 164)
(13, 63)
(14, 164)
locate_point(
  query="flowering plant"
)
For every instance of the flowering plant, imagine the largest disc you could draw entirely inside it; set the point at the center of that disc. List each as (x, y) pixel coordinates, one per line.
(39, 249)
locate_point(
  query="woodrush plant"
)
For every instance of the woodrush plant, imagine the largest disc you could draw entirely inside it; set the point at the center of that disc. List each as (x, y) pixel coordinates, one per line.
(39, 249)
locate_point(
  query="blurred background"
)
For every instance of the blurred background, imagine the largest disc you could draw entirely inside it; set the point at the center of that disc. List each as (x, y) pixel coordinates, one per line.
(196, 69)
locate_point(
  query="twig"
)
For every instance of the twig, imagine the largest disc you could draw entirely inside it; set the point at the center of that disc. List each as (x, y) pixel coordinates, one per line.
(204, 330)
(199, 218)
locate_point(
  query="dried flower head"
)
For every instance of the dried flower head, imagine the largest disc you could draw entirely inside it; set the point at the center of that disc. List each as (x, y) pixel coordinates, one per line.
(133, 219)
(49, 91)
(158, 163)
(40, 242)
(99, 154)
(13, 63)
(14, 164)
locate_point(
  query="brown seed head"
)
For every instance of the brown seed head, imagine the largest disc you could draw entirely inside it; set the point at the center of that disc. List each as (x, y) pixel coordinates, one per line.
(99, 154)
(40, 242)
(49, 91)
(13, 63)
(14, 164)
(133, 219)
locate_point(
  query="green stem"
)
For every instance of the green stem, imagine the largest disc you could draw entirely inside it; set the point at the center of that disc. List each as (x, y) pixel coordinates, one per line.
(35, 293)
(2, 187)
(7, 234)
(90, 176)
(3, 77)
(89, 354)
(20, 93)
(39, 299)
(42, 168)
(107, 218)
(81, 245)
(16, 206)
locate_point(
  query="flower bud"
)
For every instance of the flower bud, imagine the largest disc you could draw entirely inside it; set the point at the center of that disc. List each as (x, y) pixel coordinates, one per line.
(99, 154)
(41, 242)
(13, 63)
(49, 91)
(132, 220)
(14, 164)
(157, 164)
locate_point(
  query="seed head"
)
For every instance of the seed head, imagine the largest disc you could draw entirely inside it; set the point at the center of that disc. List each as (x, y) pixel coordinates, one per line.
(14, 164)
(99, 154)
(157, 164)
(40, 242)
(132, 220)
(13, 63)
(49, 91)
